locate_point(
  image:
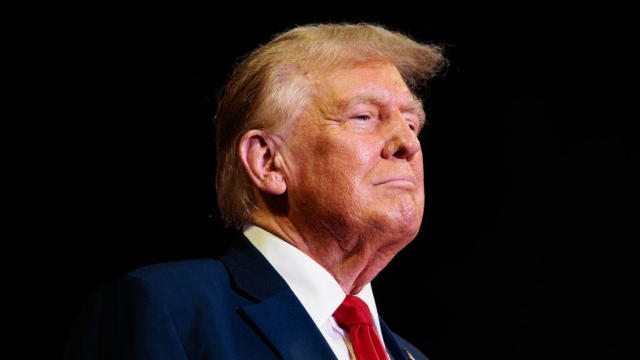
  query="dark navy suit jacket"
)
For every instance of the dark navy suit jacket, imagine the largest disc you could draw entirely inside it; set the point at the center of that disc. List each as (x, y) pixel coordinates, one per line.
(237, 307)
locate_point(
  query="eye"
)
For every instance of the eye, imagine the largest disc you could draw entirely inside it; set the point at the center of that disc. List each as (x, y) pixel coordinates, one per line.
(363, 117)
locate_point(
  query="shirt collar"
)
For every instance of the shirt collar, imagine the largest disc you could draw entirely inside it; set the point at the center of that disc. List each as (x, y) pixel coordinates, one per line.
(313, 285)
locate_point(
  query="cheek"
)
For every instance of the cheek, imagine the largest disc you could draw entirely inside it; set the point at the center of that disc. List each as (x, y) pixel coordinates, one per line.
(351, 156)
(365, 152)
(418, 166)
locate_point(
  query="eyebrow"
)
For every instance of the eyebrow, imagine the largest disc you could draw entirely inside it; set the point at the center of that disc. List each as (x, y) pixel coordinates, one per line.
(414, 105)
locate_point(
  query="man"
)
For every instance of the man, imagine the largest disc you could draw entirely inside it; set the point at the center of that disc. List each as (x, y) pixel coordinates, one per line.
(320, 165)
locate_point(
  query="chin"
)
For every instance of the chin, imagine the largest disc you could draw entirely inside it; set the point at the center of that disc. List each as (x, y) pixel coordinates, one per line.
(407, 227)
(403, 220)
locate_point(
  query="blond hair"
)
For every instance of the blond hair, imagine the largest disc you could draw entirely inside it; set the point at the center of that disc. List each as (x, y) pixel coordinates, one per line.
(269, 88)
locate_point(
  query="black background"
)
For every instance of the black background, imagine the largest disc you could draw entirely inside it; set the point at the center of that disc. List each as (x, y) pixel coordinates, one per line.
(526, 246)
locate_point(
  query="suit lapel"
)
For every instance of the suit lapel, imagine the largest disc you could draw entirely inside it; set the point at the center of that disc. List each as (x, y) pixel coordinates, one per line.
(277, 312)
(284, 321)
(392, 345)
(251, 274)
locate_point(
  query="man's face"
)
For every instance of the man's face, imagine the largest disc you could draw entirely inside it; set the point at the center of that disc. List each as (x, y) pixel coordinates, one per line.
(353, 159)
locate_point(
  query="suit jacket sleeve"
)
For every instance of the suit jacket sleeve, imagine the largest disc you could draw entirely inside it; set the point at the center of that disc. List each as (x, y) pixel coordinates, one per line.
(127, 319)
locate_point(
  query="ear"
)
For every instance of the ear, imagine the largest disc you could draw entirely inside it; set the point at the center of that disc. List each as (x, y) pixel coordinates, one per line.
(258, 153)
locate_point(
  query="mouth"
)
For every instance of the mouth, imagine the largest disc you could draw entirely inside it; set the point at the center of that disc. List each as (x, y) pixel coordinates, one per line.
(405, 180)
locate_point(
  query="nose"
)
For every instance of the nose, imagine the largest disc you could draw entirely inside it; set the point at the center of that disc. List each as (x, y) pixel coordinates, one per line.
(402, 142)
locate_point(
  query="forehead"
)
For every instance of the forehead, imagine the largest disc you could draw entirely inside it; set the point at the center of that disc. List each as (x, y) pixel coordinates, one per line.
(377, 83)
(365, 83)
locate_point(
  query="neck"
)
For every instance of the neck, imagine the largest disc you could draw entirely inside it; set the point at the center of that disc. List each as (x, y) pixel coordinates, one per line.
(352, 259)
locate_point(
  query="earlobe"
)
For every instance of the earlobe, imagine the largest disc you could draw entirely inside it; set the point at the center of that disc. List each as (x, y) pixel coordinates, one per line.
(258, 153)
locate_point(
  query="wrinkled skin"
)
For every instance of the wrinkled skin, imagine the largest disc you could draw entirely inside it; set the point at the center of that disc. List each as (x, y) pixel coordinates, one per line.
(353, 170)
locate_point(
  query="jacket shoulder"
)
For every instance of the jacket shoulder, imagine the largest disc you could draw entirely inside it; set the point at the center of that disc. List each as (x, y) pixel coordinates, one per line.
(182, 281)
(151, 311)
(177, 271)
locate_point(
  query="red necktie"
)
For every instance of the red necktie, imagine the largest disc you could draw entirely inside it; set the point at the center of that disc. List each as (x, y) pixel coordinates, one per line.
(354, 314)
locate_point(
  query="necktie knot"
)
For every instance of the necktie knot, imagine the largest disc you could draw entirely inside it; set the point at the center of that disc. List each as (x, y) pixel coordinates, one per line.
(353, 311)
(354, 314)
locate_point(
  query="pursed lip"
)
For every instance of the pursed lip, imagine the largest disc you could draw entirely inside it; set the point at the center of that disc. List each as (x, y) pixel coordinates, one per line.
(399, 179)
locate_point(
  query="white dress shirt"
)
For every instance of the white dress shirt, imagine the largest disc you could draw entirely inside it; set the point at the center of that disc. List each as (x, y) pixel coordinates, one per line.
(313, 285)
